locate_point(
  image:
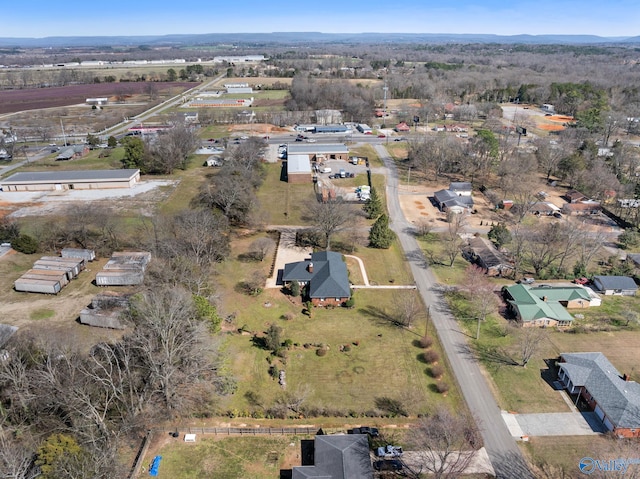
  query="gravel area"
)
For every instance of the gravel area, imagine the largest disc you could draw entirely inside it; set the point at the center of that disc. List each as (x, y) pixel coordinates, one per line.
(36, 203)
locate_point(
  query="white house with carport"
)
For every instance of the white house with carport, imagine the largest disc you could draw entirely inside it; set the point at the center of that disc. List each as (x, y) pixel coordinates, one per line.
(70, 180)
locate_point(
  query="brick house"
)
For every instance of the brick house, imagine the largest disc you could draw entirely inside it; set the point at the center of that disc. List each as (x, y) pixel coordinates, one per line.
(612, 396)
(324, 276)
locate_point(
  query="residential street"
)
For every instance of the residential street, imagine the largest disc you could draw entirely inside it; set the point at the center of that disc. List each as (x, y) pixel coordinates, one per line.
(505, 456)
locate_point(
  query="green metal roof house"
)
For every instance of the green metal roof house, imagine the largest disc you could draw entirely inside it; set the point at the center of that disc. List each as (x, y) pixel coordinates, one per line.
(545, 305)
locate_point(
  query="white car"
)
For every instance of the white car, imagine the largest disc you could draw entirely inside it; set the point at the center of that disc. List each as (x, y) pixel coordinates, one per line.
(311, 140)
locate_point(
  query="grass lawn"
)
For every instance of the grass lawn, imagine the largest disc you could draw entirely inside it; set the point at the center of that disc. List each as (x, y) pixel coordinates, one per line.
(283, 203)
(559, 456)
(227, 457)
(384, 363)
(369, 152)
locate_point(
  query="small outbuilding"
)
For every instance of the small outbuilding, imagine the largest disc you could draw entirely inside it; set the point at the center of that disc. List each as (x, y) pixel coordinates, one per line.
(124, 269)
(615, 285)
(298, 169)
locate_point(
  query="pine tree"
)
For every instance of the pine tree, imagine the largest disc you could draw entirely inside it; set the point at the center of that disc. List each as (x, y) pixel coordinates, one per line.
(373, 206)
(380, 235)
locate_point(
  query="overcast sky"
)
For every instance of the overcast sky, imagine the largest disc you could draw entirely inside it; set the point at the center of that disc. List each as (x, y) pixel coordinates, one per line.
(41, 18)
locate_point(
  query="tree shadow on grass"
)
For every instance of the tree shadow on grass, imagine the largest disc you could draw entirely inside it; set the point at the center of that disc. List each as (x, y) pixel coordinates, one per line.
(380, 316)
(489, 354)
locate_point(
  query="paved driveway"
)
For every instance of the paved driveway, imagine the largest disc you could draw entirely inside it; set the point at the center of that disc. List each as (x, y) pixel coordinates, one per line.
(553, 424)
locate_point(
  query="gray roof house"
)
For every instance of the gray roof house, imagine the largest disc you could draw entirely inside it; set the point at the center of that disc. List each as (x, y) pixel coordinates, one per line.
(461, 188)
(612, 396)
(326, 275)
(447, 200)
(338, 457)
(615, 285)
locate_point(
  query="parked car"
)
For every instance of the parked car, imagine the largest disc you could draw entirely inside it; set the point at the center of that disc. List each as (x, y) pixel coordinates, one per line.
(382, 136)
(527, 280)
(371, 431)
(581, 281)
(388, 465)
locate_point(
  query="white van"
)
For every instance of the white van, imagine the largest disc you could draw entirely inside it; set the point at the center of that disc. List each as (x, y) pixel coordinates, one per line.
(326, 170)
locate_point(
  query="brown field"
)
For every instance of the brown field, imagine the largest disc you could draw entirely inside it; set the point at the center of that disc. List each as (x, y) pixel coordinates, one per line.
(12, 101)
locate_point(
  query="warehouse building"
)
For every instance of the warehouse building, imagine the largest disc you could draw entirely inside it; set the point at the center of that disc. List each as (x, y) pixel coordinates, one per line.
(320, 151)
(71, 180)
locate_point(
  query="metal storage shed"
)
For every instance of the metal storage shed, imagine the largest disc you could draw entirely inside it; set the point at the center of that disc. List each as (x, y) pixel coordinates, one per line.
(86, 254)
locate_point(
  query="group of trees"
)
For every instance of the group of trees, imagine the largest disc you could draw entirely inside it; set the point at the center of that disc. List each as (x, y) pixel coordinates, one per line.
(232, 189)
(88, 402)
(162, 155)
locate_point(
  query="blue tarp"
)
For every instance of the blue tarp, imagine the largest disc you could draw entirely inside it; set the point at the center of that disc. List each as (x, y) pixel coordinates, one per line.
(155, 464)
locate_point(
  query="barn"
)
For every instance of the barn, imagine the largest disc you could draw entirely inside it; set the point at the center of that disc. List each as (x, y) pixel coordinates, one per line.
(71, 180)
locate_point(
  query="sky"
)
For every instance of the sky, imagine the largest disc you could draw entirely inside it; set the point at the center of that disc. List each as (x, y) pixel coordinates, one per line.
(43, 18)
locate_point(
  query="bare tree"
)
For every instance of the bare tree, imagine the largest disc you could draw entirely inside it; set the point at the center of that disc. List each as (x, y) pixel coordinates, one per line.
(176, 355)
(407, 308)
(445, 443)
(261, 247)
(16, 459)
(329, 218)
(451, 239)
(529, 342)
(479, 291)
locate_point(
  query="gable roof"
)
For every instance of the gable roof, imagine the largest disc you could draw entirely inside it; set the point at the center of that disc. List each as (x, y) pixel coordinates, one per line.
(487, 252)
(448, 198)
(616, 282)
(530, 307)
(329, 278)
(460, 186)
(619, 399)
(560, 293)
(338, 457)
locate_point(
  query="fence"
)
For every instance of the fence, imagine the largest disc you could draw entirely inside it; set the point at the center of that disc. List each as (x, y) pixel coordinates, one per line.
(220, 431)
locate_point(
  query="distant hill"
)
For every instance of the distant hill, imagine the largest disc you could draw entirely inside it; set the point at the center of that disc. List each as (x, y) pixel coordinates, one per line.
(306, 38)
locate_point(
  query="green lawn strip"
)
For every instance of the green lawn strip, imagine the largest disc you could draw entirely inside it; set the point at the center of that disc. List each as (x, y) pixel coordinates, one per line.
(369, 152)
(42, 313)
(278, 197)
(190, 181)
(561, 454)
(228, 457)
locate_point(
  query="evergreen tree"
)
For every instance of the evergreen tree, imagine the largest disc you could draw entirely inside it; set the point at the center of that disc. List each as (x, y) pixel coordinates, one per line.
(380, 235)
(373, 206)
(499, 235)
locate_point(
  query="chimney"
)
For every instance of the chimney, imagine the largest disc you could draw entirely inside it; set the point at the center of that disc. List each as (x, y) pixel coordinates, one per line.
(310, 267)
(626, 377)
(544, 298)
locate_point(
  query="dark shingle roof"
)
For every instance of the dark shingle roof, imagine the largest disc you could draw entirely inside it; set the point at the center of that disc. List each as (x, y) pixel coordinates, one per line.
(619, 399)
(616, 282)
(448, 198)
(338, 457)
(329, 278)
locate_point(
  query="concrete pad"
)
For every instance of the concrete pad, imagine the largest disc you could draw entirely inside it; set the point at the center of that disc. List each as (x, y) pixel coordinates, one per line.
(479, 464)
(555, 424)
(512, 424)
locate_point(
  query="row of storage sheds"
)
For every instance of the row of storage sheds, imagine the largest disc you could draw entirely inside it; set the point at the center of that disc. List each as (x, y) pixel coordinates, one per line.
(124, 269)
(50, 274)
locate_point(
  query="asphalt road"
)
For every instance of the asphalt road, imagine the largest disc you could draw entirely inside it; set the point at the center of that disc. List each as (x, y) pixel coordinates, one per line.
(505, 456)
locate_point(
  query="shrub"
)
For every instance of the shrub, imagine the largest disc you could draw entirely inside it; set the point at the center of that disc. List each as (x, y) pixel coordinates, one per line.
(442, 388)
(430, 356)
(294, 288)
(25, 244)
(288, 316)
(350, 303)
(437, 371)
(273, 372)
(426, 342)
(321, 352)
(346, 348)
